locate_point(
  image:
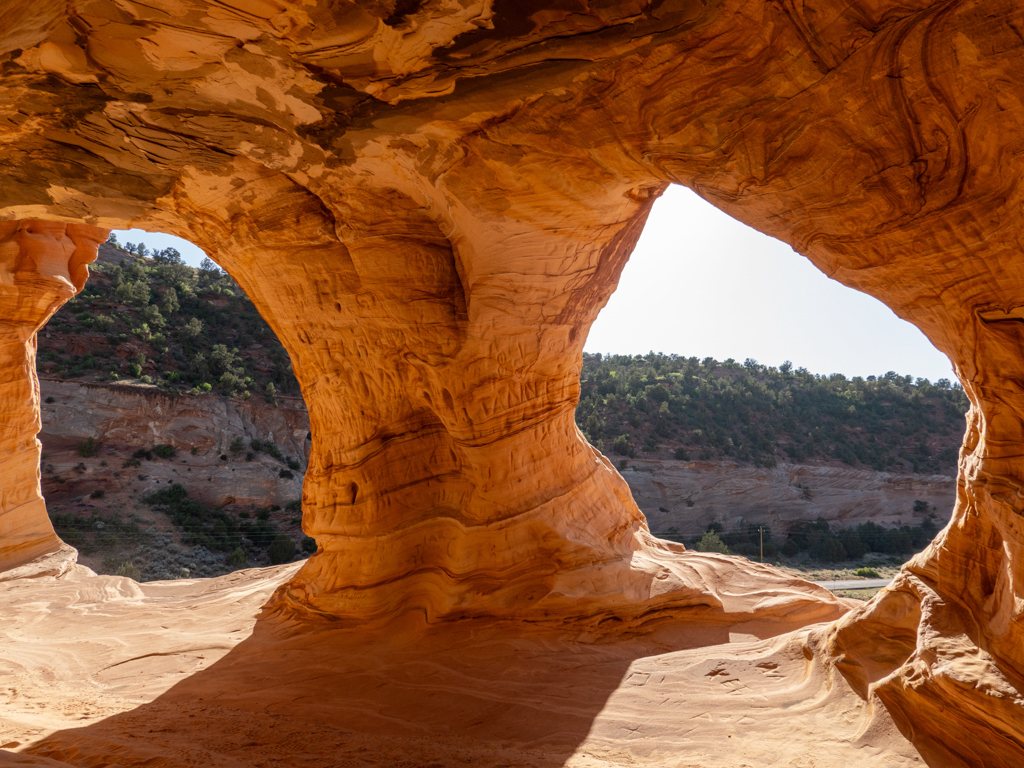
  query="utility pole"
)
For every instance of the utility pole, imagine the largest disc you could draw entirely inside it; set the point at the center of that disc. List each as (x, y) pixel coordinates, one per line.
(760, 530)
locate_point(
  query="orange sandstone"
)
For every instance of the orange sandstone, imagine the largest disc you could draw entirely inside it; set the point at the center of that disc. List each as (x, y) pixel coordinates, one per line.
(42, 265)
(430, 202)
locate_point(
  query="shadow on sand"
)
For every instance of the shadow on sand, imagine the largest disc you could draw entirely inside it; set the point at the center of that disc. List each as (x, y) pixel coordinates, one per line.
(292, 695)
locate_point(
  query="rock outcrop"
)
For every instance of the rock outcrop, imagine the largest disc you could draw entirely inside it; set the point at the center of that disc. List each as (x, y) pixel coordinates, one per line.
(127, 418)
(430, 202)
(690, 496)
(42, 265)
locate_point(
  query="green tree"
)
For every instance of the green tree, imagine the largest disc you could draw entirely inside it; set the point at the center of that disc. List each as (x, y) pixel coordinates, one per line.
(281, 550)
(135, 293)
(169, 303)
(192, 329)
(153, 317)
(711, 542)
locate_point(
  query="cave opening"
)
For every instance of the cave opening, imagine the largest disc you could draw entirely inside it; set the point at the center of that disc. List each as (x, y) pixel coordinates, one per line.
(174, 435)
(841, 460)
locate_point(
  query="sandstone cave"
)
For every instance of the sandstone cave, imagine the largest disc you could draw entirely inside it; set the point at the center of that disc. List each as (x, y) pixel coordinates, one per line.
(429, 203)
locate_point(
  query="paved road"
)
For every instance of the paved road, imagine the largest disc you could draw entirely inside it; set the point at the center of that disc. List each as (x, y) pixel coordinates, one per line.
(854, 584)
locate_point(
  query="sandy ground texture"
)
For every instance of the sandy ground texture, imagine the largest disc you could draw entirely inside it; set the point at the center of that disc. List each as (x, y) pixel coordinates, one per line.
(102, 671)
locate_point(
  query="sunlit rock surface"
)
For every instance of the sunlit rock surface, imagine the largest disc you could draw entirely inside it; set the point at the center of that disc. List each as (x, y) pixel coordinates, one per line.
(430, 202)
(42, 265)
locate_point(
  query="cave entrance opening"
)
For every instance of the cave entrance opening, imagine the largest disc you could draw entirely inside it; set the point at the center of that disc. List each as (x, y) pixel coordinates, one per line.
(175, 438)
(834, 460)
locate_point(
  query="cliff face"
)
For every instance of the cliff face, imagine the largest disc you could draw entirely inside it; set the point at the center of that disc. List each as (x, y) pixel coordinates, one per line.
(124, 419)
(690, 496)
(430, 204)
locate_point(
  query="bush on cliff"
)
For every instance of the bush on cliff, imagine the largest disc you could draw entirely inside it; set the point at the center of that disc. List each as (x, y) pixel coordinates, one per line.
(88, 448)
(164, 451)
(212, 529)
(281, 550)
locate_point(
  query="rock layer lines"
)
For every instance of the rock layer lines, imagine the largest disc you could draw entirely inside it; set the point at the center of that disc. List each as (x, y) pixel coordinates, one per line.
(430, 202)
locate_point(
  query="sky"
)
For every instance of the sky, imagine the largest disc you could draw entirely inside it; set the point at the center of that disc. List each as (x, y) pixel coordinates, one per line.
(702, 284)
(157, 241)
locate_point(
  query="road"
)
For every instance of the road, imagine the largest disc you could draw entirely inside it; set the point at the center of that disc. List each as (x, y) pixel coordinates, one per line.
(854, 584)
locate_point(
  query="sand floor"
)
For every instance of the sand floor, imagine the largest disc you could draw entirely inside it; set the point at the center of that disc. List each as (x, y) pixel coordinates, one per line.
(102, 671)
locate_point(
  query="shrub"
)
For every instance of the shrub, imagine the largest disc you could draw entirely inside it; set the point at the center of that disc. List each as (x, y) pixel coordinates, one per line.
(281, 550)
(867, 573)
(132, 462)
(213, 529)
(853, 544)
(294, 505)
(237, 559)
(286, 474)
(142, 453)
(621, 445)
(164, 451)
(135, 370)
(682, 454)
(135, 293)
(829, 549)
(128, 570)
(268, 448)
(237, 445)
(99, 493)
(710, 542)
(293, 464)
(88, 448)
(153, 317)
(192, 329)
(308, 544)
(49, 400)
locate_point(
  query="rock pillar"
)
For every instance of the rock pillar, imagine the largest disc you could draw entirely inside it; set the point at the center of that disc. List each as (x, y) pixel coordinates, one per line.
(447, 478)
(42, 265)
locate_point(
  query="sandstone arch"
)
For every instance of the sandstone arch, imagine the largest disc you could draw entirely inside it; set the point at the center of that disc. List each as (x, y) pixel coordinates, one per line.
(447, 196)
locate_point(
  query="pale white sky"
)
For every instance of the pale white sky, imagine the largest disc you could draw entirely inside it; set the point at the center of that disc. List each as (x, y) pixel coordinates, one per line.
(702, 284)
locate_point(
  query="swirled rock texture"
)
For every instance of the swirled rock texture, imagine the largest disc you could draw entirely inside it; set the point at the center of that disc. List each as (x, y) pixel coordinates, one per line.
(42, 265)
(430, 202)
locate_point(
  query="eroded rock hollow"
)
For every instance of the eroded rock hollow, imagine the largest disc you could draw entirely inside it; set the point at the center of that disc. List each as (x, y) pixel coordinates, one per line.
(430, 202)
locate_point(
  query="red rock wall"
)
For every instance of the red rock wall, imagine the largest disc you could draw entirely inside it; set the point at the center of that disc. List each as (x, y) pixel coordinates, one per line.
(42, 265)
(430, 210)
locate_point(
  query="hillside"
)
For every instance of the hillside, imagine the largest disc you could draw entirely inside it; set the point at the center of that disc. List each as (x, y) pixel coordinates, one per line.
(152, 319)
(175, 438)
(148, 318)
(661, 405)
